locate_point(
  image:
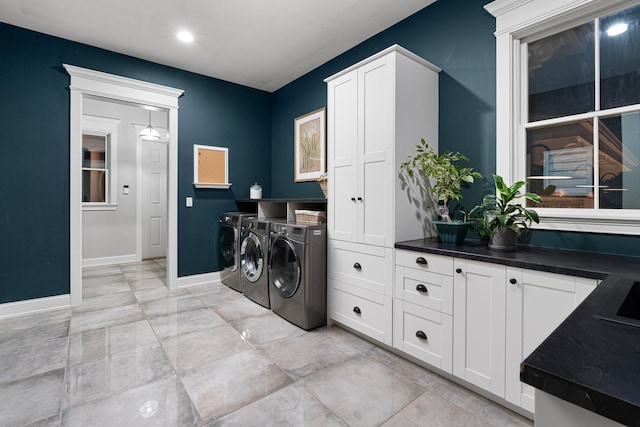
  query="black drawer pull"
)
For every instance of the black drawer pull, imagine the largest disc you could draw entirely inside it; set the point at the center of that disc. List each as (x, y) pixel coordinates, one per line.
(356, 310)
(421, 261)
(353, 199)
(422, 288)
(458, 270)
(359, 199)
(513, 281)
(357, 266)
(421, 335)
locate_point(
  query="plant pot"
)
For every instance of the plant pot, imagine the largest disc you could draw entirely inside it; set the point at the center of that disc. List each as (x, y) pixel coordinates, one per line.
(505, 239)
(452, 232)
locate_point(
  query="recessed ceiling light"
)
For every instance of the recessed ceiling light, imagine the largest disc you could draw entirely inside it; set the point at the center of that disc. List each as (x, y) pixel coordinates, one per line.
(617, 29)
(185, 36)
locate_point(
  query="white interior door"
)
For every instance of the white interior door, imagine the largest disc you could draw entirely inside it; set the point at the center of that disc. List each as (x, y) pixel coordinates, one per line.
(154, 199)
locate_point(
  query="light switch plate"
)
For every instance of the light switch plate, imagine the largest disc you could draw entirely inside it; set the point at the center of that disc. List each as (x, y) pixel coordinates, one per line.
(189, 202)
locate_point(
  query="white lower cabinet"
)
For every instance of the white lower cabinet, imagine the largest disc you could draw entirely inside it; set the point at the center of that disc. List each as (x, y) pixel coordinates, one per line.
(479, 324)
(423, 333)
(537, 302)
(479, 320)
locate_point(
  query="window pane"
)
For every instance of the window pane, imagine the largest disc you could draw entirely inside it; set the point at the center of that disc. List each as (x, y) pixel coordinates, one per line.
(560, 165)
(619, 154)
(620, 59)
(562, 74)
(93, 151)
(93, 186)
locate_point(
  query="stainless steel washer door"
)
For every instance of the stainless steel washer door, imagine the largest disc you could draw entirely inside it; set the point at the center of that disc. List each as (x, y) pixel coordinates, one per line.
(251, 257)
(228, 247)
(284, 267)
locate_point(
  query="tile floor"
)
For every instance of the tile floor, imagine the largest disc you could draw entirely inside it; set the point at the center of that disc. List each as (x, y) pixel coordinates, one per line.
(137, 354)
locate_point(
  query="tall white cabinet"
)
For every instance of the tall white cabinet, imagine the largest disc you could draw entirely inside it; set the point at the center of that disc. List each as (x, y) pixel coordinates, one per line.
(378, 110)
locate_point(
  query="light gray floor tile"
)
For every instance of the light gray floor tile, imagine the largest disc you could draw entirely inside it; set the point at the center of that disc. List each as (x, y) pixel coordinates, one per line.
(34, 399)
(105, 301)
(219, 296)
(231, 383)
(172, 305)
(199, 348)
(141, 266)
(185, 322)
(268, 327)
(88, 346)
(291, 406)
(33, 359)
(100, 270)
(158, 293)
(355, 342)
(240, 308)
(103, 280)
(417, 374)
(362, 392)
(131, 408)
(116, 373)
(205, 288)
(104, 318)
(307, 353)
(105, 289)
(34, 328)
(153, 283)
(432, 411)
(144, 274)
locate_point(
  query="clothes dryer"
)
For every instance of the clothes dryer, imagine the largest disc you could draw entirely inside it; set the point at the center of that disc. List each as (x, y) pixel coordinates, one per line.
(298, 273)
(254, 259)
(229, 247)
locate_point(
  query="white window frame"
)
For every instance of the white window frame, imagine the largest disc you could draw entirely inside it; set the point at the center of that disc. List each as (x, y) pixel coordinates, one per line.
(103, 126)
(518, 21)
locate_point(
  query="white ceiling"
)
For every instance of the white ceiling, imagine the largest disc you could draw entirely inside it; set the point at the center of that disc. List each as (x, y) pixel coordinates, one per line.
(257, 43)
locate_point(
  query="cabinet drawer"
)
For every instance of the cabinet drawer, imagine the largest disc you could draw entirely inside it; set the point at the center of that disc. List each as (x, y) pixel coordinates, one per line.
(366, 312)
(430, 290)
(368, 267)
(435, 346)
(433, 263)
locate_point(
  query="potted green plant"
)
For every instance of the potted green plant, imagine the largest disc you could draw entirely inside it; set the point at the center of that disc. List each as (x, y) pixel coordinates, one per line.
(445, 184)
(502, 220)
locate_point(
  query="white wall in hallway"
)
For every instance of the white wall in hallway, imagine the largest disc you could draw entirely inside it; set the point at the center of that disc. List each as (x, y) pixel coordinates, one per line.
(112, 234)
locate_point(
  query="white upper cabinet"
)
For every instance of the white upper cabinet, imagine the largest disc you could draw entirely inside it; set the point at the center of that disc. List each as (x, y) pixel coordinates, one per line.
(378, 110)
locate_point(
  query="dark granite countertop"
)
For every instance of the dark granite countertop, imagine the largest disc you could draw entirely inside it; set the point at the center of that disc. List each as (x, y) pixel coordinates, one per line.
(591, 362)
(575, 263)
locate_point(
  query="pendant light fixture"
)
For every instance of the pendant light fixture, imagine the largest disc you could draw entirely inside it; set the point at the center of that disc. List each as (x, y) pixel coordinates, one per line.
(149, 132)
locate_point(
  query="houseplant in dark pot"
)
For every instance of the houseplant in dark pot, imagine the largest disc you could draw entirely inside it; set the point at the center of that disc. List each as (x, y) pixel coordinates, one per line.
(502, 220)
(445, 179)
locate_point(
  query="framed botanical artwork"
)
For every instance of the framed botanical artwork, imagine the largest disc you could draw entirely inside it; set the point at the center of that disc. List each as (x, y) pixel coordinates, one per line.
(310, 146)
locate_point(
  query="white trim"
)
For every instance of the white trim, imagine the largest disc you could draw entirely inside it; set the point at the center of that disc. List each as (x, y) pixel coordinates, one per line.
(196, 167)
(103, 126)
(108, 260)
(36, 305)
(197, 279)
(214, 186)
(84, 82)
(99, 207)
(516, 20)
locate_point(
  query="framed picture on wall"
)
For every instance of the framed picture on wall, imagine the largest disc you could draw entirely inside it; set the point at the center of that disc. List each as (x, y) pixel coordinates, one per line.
(310, 146)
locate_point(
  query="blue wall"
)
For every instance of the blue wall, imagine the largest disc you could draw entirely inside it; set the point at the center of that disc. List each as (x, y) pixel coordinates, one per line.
(34, 156)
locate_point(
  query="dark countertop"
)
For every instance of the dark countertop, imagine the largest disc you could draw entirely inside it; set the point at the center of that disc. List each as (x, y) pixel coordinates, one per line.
(575, 263)
(591, 362)
(588, 361)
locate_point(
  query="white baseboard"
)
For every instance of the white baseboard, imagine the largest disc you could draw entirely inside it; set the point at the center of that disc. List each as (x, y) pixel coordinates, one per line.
(197, 279)
(109, 260)
(18, 308)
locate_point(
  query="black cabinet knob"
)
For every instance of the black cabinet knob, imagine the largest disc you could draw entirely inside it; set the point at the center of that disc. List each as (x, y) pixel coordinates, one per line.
(353, 199)
(359, 199)
(421, 335)
(421, 261)
(458, 270)
(513, 281)
(356, 310)
(422, 288)
(357, 266)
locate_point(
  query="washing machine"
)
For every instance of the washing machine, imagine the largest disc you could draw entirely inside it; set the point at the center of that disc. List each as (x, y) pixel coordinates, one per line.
(254, 259)
(298, 273)
(229, 247)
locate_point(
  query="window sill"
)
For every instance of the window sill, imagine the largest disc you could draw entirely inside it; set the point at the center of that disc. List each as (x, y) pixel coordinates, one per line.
(610, 222)
(99, 207)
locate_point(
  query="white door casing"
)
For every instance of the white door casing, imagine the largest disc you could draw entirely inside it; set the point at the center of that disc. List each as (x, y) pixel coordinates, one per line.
(85, 82)
(153, 197)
